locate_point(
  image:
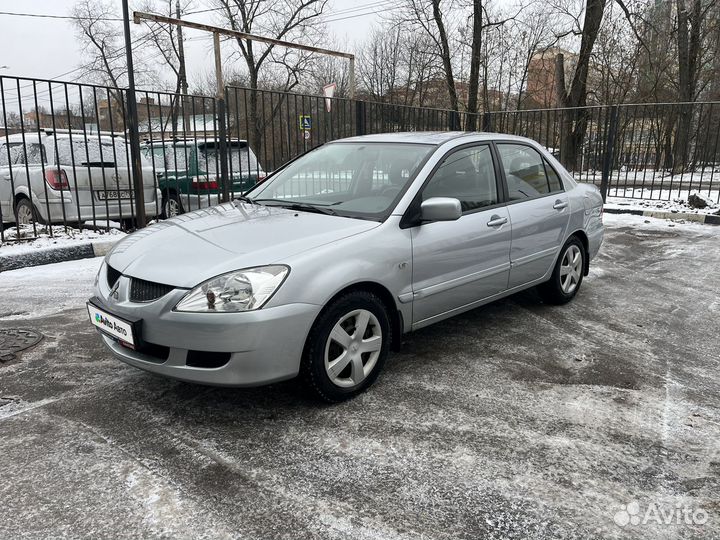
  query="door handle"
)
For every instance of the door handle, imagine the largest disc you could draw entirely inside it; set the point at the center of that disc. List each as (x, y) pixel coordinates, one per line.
(496, 221)
(559, 205)
(7, 177)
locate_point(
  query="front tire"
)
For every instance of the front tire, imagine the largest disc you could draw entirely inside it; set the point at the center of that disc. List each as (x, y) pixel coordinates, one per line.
(347, 347)
(567, 275)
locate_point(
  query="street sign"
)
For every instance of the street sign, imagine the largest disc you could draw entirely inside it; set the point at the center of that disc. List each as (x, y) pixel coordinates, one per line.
(329, 92)
(305, 122)
(306, 134)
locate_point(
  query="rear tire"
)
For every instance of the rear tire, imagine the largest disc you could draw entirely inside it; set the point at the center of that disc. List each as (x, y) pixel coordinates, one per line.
(347, 347)
(567, 275)
(26, 213)
(172, 206)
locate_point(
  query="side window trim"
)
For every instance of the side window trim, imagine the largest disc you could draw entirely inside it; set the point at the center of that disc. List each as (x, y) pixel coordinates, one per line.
(547, 166)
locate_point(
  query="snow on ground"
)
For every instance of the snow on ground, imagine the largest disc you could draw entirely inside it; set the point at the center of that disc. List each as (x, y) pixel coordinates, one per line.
(49, 288)
(60, 237)
(649, 223)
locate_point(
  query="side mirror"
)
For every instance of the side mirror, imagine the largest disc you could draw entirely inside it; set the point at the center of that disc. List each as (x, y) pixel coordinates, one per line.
(440, 209)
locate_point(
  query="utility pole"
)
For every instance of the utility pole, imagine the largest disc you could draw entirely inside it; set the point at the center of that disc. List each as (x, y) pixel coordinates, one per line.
(182, 73)
(131, 122)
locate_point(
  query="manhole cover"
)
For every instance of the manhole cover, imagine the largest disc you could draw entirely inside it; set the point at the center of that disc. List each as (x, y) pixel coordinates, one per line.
(15, 340)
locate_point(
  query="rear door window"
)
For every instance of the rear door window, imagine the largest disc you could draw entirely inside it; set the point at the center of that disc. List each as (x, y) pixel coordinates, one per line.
(526, 172)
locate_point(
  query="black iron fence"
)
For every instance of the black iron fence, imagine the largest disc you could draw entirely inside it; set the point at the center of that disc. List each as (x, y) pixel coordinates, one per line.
(644, 151)
(65, 158)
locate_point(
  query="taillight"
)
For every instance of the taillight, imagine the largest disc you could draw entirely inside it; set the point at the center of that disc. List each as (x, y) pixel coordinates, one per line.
(205, 185)
(56, 178)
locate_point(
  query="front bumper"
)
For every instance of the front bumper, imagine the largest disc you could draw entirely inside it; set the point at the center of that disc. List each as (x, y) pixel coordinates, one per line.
(265, 346)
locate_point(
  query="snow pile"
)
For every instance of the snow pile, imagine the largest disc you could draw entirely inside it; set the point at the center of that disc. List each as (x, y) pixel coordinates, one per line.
(14, 240)
(666, 204)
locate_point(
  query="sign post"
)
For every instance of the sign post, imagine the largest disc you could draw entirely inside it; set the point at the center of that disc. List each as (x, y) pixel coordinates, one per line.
(305, 124)
(329, 92)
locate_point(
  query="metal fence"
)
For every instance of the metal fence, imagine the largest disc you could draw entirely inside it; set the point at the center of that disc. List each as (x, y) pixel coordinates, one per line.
(644, 151)
(65, 157)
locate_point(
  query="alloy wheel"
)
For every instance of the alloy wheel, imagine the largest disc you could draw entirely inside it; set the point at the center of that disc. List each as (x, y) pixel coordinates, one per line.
(172, 208)
(24, 215)
(353, 348)
(571, 269)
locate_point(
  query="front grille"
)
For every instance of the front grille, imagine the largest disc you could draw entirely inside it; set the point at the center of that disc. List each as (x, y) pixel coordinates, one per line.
(112, 276)
(147, 291)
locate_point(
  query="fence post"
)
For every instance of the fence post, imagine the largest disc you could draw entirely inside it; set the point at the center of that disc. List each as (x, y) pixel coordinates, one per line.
(487, 121)
(131, 122)
(454, 121)
(360, 127)
(609, 150)
(222, 128)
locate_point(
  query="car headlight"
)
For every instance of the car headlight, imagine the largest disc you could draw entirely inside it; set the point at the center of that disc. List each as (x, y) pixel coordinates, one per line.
(241, 290)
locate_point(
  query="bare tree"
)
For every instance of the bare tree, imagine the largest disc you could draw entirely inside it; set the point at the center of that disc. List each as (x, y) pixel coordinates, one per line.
(438, 21)
(396, 64)
(288, 20)
(574, 96)
(101, 41)
(167, 40)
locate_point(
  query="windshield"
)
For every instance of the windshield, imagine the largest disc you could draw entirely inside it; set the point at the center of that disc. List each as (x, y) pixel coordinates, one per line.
(242, 159)
(362, 180)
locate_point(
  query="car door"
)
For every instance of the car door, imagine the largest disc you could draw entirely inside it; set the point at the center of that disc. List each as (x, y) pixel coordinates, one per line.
(539, 212)
(457, 263)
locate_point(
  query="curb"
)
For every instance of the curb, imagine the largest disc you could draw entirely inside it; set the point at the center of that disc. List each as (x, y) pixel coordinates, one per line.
(56, 255)
(705, 219)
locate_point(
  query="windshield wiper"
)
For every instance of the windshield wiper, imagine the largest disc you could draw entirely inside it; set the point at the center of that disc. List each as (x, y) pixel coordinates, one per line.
(245, 199)
(302, 207)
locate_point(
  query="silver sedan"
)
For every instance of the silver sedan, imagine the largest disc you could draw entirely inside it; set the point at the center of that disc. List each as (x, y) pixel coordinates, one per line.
(319, 270)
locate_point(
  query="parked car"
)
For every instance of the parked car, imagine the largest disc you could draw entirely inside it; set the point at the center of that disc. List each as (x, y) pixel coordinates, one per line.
(319, 270)
(188, 171)
(70, 177)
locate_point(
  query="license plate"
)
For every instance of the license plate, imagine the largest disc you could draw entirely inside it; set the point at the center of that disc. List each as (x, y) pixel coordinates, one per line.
(113, 195)
(113, 326)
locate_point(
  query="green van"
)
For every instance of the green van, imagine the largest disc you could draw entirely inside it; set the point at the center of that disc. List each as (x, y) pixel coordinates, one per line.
(188, 171)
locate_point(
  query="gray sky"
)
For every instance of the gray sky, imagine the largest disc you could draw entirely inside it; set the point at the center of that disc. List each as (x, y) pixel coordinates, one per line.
(48, 48)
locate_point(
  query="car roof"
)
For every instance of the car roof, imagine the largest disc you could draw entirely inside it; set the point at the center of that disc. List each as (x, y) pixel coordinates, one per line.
(33, 137)
(430, 137)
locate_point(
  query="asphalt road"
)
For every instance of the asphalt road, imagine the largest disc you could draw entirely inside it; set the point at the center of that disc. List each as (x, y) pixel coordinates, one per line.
(517, 420)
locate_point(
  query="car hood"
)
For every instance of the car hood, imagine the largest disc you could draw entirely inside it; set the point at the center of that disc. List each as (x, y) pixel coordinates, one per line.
(189, 249)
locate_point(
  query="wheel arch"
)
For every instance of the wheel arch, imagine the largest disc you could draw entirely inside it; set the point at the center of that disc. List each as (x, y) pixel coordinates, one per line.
(396, 317)
(580, 234)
